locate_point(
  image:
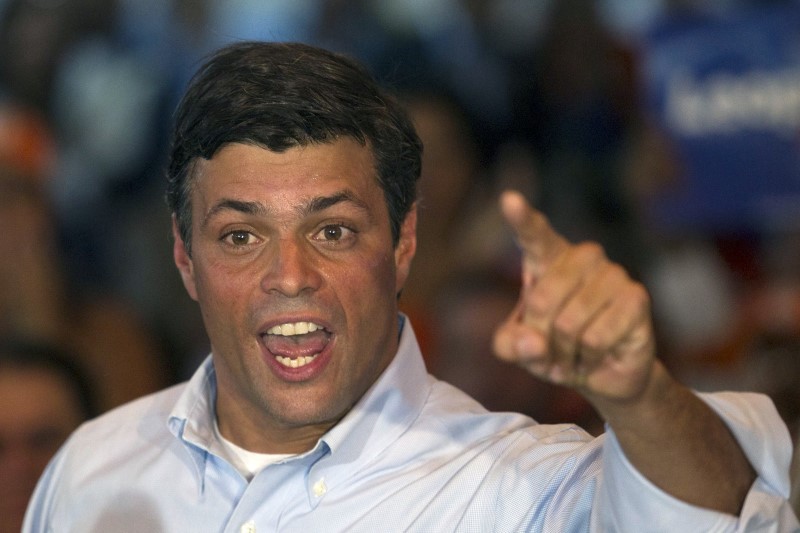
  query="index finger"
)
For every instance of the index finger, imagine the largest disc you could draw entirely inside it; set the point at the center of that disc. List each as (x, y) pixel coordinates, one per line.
(540, 243)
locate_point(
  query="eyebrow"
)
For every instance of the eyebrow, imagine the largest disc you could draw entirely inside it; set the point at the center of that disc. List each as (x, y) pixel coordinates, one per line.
(314, 205)
(320, 203)
(241, 206)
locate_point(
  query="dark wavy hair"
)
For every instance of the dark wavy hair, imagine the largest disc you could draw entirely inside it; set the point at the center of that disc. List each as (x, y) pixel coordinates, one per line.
(33, 354)
(283, 95)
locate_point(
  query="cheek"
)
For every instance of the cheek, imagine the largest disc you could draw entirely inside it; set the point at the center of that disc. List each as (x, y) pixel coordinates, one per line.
(224, 306)
(221, 290)
(364, 287)
(382, 270)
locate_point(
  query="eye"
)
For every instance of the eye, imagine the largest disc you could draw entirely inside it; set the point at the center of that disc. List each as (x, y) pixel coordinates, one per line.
(239, 238)
(334, 233)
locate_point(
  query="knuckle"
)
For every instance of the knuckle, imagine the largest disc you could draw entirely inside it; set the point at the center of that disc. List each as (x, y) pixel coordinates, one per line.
(538, 301)
(639, 294)
(590, 251)
(565, 325)
(501, 344)
(596, 341)
(618, 272)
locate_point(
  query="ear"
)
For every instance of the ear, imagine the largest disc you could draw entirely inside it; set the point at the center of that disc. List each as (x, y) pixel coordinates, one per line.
(183, 260)
(406, 248)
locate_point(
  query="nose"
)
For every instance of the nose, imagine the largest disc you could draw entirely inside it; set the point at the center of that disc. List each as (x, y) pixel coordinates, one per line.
(291, 268)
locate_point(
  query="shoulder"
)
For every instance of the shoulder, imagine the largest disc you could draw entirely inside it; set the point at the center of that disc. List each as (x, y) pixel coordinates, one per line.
(138, 414)
(508, 441)
(467, 458)
(122, 433)
(104, 458)
(453, 409)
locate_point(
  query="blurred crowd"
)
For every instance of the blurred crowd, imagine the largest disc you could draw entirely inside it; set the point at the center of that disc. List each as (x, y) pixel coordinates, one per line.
(538, 95)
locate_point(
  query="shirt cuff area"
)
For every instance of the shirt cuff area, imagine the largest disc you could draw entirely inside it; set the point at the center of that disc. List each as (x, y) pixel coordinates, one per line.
(764, 438)
(627, 497)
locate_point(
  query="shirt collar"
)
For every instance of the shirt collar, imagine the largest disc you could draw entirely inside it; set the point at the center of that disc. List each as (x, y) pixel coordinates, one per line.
(377, 420)
(387, 408)
(192, 417)
(385, 411)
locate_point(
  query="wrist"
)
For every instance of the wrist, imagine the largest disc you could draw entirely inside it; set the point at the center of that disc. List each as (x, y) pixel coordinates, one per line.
(659, 397)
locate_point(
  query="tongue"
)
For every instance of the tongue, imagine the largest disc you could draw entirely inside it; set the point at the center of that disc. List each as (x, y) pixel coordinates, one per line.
(296, 345)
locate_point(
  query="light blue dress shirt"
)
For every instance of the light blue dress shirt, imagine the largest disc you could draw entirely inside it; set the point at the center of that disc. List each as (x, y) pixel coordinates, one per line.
(415, 454)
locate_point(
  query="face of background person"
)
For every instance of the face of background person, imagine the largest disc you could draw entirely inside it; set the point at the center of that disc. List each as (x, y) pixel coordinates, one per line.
(287, 240)
(25, 240)
(40, 409)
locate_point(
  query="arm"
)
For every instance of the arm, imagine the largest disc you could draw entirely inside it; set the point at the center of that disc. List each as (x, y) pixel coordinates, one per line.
(583, 322)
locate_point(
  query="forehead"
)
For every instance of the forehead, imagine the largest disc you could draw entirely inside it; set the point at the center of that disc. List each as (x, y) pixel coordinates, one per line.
(34, 394)
(280, 178)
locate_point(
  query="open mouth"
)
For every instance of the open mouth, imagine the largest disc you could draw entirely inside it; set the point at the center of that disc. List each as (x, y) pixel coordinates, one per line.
(296, 344)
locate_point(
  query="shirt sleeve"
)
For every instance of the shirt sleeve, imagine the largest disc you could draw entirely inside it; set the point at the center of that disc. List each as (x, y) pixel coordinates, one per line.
(627, 501)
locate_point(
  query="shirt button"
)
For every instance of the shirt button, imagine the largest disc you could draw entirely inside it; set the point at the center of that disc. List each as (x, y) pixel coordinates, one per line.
(319, 488)
(248, 527)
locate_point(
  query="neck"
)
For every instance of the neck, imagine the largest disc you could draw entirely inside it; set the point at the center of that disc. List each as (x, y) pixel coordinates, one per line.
(275, 440)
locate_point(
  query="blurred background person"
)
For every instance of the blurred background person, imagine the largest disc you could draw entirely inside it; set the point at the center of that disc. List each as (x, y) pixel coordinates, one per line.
(451, 187)
(470, 306)
(44, 396)
(37, 298)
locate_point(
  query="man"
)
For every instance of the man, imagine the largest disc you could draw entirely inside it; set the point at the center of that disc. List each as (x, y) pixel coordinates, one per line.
(292, 180)
(45, 396)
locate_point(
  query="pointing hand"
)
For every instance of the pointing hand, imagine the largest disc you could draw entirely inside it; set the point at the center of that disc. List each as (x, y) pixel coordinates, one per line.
(581, 320)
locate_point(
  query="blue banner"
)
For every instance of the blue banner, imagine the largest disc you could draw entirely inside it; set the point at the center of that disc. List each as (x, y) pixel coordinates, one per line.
(727, 93)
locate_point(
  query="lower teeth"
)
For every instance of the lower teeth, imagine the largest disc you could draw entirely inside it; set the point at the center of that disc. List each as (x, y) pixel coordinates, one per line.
(294, 363)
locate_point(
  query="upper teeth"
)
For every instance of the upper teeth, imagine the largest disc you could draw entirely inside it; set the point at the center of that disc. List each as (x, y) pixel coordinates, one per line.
(296, 328)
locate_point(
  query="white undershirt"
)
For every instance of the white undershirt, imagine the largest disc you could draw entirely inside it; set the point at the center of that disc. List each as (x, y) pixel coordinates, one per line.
(246, 462)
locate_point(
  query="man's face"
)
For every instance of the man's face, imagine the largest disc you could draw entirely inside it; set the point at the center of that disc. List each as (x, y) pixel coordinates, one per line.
(293, 265)
(39, 412)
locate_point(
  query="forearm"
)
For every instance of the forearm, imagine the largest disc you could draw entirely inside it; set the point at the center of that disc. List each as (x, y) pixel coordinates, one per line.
(680, 444)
